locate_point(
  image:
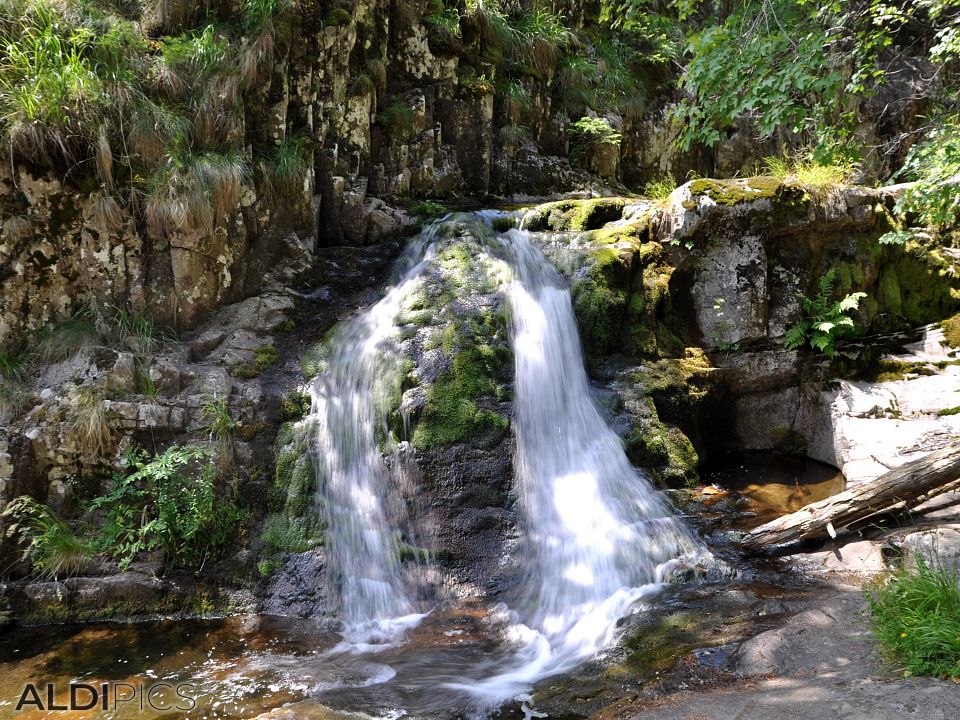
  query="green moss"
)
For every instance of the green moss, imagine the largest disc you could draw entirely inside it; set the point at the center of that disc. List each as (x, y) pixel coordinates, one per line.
(294, 524)
(733, 192)
(248, 431)
(655, 648)
(199, 601)
(294, 405)
(789, 441)
(338, 16)
(314, 360)
(451, 412)
(286, 534)
(575, 215)
(926, 283)
(890, 292)
(951, 330)
(948, 411)
(244, 371)
(263, 357)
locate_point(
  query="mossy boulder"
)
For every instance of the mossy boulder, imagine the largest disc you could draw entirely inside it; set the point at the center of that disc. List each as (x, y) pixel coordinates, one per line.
(739, 190)
(453, 409)
(672, 402)
(575, 215)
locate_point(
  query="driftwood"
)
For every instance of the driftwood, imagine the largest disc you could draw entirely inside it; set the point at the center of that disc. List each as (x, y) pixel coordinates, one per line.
(904, 487)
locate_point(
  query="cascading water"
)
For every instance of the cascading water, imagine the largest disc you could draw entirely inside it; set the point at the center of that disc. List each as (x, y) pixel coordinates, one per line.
(348, 410)
(598, 535)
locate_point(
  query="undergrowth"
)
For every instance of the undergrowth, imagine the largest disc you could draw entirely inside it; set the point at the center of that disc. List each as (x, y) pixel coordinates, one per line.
(916, 618)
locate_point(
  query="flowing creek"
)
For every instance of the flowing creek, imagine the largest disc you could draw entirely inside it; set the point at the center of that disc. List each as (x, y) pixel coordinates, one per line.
(598, 543)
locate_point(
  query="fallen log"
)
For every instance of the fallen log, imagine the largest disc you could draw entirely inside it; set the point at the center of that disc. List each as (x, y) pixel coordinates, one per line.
(899, 489)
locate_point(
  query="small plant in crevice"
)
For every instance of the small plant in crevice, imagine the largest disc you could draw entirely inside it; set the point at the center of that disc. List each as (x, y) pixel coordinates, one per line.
(398, 121)
(65, 339)
(660, 188)
(723, 328)
(264, 357)
(807, 171)
(443, 27)
(428, 210)
(285, 173)
(916, 618)
(515, 99)
(218, 422)
(52, 549)
(824, 320)
(476, 84)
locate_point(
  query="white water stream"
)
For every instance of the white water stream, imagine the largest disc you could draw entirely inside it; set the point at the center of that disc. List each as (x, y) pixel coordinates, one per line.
(597, 535)
(360, 501)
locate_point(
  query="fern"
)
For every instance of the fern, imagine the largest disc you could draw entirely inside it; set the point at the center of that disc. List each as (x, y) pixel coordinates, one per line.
(823, 321)
(169, 503)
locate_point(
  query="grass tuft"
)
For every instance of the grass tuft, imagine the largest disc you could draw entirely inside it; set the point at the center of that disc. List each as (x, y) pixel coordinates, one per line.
(807, 172)
(52, 549)
(66, 339)
(916, 618)
(91, 422)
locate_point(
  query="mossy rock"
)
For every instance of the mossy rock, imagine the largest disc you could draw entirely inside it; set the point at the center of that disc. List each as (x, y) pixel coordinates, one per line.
(575, 215)
(951, 331)
(452, 412)
(736, 191)
(664, 451)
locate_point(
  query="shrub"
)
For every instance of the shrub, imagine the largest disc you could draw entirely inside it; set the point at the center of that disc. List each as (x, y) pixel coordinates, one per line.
(52, 549)
(916, 618)
(934, 201)
(168, 503)
(588, 130)
(823, 320)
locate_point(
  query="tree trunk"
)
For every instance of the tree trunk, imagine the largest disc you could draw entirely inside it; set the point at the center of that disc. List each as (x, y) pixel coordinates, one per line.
(903, 487)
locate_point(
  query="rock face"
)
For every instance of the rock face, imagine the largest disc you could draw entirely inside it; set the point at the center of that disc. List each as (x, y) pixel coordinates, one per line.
(387, 106)
(681, 305)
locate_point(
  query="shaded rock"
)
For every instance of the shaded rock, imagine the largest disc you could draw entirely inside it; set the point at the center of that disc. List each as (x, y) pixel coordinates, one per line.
(298, 588)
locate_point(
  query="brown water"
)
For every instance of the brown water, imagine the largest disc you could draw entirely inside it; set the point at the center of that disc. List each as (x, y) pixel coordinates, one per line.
(761, 487)
(249, 666)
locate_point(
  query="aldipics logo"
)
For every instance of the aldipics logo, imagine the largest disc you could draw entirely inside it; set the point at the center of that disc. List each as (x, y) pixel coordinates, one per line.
(160, 696)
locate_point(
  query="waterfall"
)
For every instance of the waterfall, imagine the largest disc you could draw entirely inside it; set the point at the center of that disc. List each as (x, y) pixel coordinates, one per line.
(349, 419)
(598, 535)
